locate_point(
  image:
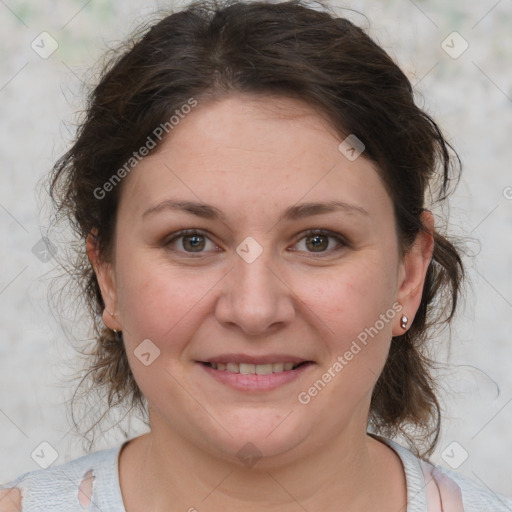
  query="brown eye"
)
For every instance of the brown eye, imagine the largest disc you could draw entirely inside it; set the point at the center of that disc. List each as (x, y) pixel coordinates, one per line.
(190, 241)
(317, 242)
(194, 243)
(321, 241)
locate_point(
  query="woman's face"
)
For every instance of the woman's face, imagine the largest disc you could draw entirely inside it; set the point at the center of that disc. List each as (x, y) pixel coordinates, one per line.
(255, 281)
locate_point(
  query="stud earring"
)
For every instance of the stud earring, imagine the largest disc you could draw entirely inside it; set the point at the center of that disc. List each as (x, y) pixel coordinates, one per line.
(115, 330)
(403, 322)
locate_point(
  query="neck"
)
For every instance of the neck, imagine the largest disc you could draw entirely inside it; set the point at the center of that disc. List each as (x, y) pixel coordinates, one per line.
(162, 472)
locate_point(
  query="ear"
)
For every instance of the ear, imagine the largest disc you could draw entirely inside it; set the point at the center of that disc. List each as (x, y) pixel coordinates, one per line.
(106, 279)
(413, 270)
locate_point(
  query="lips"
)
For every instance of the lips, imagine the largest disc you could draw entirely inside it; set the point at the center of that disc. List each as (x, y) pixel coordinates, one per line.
(250, 377)
(255, 373)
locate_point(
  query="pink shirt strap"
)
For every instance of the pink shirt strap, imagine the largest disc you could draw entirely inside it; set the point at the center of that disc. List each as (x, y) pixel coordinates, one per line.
(443, 494)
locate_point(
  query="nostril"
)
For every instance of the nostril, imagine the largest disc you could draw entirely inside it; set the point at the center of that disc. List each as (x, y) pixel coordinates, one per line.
(85, 489)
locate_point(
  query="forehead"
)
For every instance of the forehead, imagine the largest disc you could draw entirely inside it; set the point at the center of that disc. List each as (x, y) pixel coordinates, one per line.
(245, 151)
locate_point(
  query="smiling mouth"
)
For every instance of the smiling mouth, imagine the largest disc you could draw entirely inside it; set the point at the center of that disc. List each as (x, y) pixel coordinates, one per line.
(255, 369)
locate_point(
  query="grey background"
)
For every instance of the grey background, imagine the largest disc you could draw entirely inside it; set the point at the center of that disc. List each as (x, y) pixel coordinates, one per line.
(471, 98)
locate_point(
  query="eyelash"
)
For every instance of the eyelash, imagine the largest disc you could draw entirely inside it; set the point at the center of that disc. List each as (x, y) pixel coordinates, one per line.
(308, 233)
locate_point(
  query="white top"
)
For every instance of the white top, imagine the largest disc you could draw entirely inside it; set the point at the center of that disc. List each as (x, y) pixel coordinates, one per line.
(429, 488)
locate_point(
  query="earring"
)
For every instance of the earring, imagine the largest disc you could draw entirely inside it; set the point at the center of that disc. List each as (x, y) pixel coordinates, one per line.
(403, 322)
(116, 332)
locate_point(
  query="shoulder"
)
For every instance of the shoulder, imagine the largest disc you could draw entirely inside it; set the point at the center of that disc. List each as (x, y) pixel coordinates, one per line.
(475, 497)
(56, 487)
(438, 486)
(10, 500)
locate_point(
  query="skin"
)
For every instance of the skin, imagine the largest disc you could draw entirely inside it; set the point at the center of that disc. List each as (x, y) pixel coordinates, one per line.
(252, 158)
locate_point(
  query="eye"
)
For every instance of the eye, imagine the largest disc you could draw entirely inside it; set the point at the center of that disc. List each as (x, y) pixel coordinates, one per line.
(190, 241)
(320, 241)
(316, 241)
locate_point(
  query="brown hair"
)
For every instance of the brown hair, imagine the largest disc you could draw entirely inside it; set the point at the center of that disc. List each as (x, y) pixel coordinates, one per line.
(212, 49)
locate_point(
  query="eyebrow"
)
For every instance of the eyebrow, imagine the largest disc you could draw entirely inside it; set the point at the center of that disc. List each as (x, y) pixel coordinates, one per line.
(295, 212)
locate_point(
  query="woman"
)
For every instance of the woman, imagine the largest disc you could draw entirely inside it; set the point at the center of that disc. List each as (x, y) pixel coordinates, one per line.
(250, 185)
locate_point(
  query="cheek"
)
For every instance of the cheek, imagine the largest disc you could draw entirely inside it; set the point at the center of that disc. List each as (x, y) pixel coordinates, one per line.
(145, 299)
(357, 306)
(159, 301)
(353, 297)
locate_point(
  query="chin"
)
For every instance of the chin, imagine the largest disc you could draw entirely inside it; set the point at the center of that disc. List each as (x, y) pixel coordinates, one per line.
(262, 442)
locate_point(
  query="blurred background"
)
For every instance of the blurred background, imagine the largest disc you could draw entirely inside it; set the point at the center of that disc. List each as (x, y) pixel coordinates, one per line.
(458, 56)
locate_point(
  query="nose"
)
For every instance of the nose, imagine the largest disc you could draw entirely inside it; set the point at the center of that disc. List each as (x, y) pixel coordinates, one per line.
(255, 297)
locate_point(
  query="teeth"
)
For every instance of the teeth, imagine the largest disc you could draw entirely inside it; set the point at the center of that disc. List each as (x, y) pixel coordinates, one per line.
(231, 367)
(264, 369)
(253, 369)
(247, 369)
(277, 367)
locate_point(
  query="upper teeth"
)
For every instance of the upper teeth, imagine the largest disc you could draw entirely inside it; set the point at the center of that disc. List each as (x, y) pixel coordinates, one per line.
(259, 369)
